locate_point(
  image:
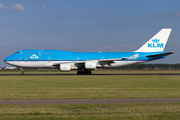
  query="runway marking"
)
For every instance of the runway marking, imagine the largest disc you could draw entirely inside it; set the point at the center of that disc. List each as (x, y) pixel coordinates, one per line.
(90, 101)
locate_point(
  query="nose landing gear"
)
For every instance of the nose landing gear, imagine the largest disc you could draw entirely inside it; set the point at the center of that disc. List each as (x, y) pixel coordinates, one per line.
(22, 72)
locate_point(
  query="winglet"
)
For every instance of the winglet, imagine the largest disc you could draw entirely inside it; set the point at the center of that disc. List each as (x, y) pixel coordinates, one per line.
(156, 43)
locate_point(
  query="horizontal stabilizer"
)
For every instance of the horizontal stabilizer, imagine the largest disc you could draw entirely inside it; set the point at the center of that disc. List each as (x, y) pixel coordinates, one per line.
(162, 54)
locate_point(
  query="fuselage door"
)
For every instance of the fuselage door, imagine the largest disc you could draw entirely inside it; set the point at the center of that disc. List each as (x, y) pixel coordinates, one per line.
(40, 52)
(78, 58)
(49, 59)
(26, 59)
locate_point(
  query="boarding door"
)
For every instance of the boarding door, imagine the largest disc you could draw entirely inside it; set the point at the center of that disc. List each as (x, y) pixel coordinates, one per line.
(49, 59)
(40, 52)
(26, 59)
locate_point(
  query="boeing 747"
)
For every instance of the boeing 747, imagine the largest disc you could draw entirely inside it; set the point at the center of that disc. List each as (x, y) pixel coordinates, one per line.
(85, 62)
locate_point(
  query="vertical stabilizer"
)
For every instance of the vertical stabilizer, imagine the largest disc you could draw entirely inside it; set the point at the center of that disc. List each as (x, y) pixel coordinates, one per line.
(156, 43)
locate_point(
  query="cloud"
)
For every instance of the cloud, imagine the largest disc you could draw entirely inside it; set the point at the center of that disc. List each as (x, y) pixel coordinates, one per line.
(177, 14)
(44, 7)
(18, 7)
(2, 6)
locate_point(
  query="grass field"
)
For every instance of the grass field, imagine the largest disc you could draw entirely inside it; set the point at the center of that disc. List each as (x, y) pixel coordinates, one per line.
(153, 111)
(90, 87)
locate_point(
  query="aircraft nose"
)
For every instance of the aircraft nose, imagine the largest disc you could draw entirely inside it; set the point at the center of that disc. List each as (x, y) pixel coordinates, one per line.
(5, 60)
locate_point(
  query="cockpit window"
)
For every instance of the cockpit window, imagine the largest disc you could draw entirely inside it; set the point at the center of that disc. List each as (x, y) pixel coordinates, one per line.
(16, 52)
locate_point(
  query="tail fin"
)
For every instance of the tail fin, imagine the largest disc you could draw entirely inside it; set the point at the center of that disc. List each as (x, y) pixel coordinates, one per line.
(156, 43)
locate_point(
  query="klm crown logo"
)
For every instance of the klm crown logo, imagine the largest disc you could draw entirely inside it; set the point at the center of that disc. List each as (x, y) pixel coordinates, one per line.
(34, 56)
(155, 40)
(155, 44)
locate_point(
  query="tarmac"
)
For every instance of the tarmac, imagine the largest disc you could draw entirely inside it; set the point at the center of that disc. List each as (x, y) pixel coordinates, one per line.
(91, 74)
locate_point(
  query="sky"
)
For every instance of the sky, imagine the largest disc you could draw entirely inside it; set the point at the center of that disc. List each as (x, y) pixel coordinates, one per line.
(87, 25)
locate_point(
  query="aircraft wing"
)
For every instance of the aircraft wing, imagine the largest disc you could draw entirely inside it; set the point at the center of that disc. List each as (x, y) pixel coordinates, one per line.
(108, 61)
(162, 54)
(76, 62)
(102, 61)
(111, 60)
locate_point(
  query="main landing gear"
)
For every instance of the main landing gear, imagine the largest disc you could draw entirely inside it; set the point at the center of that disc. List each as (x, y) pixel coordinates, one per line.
(84, 72)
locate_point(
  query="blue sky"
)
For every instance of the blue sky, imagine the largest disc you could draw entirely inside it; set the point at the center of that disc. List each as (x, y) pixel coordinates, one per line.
(87, 25)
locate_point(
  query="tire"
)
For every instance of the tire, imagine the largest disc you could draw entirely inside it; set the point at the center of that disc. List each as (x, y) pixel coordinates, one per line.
(22, 72)
(90, 72)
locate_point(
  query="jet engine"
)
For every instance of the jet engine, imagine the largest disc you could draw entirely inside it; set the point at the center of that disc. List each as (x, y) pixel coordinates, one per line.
(90, 65)
(65, 67)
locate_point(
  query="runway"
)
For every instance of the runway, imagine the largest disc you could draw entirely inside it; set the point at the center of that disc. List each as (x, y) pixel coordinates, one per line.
(89, 101)
(91, 74)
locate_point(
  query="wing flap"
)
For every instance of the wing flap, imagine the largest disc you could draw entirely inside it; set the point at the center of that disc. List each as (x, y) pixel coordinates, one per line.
(75, 62)
(118, 59)
(111, 60)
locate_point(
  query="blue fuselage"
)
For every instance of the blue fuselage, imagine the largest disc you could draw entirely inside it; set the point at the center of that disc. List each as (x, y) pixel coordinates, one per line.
(58, 55)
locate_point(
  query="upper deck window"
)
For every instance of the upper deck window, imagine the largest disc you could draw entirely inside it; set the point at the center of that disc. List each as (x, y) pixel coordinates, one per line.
(16, 52)
(32, 53)
(47, 52)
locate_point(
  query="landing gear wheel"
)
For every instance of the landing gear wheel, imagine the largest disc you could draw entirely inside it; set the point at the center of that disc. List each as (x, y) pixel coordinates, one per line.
(90, 72)
(84, 72)
(22, 72)
(78, 72)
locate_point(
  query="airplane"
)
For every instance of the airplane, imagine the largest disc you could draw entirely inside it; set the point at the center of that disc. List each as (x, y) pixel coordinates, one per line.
(10, 68)
(85, 62)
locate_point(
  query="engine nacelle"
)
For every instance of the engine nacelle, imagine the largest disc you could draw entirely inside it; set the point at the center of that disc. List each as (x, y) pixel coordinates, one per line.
(65, 67)
(90, 65)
